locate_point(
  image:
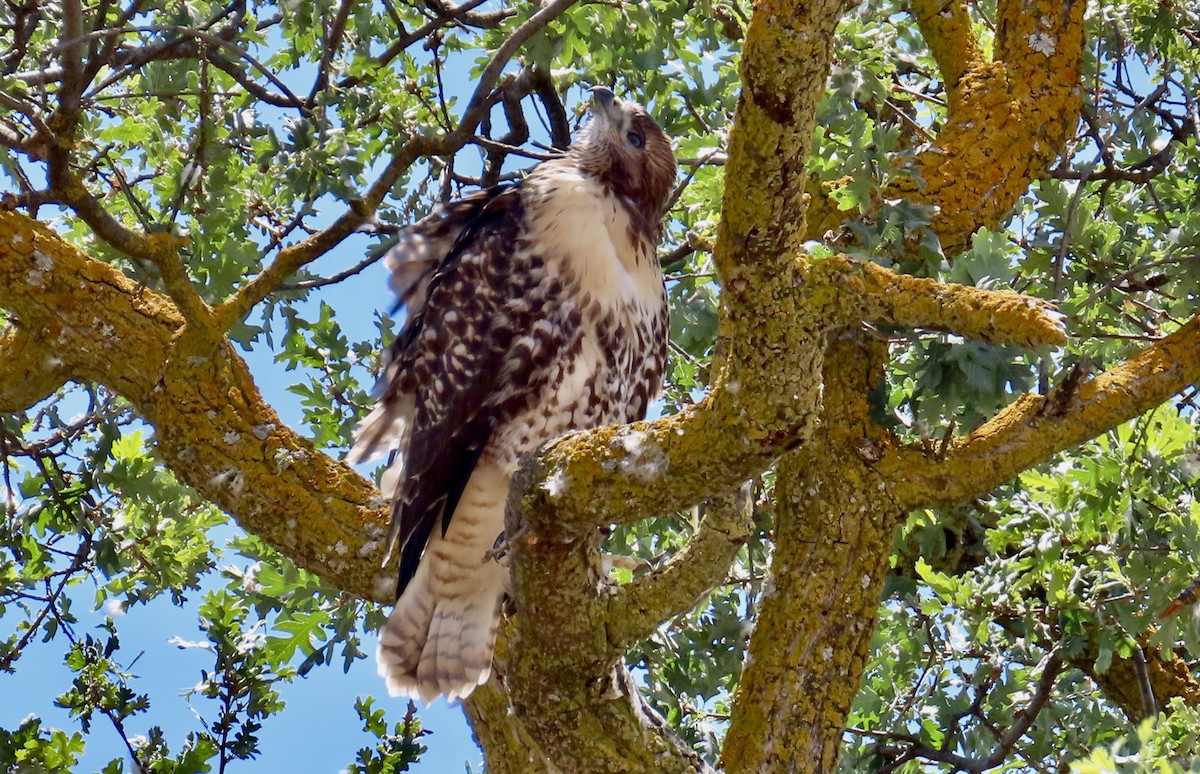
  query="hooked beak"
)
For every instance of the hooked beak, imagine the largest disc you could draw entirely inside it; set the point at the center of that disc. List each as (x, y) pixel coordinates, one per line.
(604, 104)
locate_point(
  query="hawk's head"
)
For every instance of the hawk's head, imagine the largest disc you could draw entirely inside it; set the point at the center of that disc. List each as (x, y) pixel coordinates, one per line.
(625, 148)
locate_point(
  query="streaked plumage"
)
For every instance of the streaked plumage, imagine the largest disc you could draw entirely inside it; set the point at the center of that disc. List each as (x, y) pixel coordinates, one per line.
(533, 309)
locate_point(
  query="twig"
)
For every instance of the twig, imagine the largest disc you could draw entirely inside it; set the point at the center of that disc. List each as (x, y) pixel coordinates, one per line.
(333, 40)
(418, 34)
(1149, 706)
(200, 35)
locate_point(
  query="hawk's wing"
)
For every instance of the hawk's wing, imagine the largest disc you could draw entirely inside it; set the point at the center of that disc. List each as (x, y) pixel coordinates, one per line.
(441, 385)
(423, 251)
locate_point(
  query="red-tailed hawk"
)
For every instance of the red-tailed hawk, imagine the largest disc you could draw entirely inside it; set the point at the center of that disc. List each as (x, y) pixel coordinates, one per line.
(533, 309)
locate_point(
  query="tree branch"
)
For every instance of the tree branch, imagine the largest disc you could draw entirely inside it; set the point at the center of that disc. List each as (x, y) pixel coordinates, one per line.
(198, 36)
(507, 745)
(159, 249)
(291, 258)
(332, 41)
(946, 27)
(72, 63)
(1006, 126)
(28, 373)
(639, 608)
(451, 15)
(212, 427)
(1168, 675)
(837, 508)
(479, 102)
(1020, 436)
(878, 295)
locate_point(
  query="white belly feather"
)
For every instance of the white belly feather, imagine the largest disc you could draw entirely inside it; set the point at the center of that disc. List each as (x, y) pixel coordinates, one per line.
(587, 241)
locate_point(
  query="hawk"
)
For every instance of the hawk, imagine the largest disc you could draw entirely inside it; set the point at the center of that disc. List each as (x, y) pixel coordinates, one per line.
(533, 309)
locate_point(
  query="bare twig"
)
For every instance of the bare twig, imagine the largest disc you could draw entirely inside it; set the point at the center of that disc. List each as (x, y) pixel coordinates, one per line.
(415, 36)
(913, 747)
(214, 41)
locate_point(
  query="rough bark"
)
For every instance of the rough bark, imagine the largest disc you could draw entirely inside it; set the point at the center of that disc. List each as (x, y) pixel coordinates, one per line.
(1008, 120)
(89, 322)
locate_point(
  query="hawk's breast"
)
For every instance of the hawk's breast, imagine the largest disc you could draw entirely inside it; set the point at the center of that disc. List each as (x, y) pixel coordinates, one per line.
(605, 313)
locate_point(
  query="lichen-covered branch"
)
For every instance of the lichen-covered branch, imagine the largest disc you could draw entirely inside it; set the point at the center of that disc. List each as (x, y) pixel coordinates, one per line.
(590, 479)
(1024, 434)
(835, 518)
(1007, 119)
(946, 27)
(212, 427)
(639, 608)
(870, 293)
(159, 249)
(28, 373)
(837, 511)
(618, 474)
(507, 746)
(1168, 676)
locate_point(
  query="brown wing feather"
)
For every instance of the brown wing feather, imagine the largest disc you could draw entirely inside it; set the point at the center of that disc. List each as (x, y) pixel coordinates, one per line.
(422, 251)
(444, 367)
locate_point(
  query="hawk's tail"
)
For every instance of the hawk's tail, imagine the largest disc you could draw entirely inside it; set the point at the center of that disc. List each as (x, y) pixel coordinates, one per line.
(439, 638)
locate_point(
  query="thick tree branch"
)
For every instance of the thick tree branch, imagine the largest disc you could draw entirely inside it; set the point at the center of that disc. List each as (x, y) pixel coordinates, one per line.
(834, 524)
(836, 513)
(159, 249)
(1023, 435)
(868, 292)
(639, 608)
(590, 479)
(507, 746)
(1006, 124)
(28, 373)
(212, 427)
(946, 27)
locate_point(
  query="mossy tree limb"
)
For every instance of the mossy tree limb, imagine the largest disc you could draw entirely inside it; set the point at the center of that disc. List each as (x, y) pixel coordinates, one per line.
(1006, 120)
(29, 373)
(995, 141)
(212, 427)
(638, 609)
(1034, 428)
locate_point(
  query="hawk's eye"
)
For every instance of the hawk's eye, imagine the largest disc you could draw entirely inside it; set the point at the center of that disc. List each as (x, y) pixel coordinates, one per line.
(636, 140)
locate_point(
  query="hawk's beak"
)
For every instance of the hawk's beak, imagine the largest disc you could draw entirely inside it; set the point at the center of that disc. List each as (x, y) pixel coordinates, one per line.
(602, 95)
(604, 104)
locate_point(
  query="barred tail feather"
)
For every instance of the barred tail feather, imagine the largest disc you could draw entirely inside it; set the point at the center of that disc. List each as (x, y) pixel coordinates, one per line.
(439, 638)
(438, 646)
